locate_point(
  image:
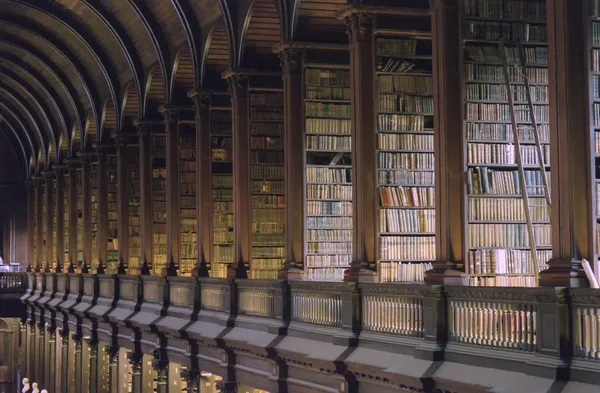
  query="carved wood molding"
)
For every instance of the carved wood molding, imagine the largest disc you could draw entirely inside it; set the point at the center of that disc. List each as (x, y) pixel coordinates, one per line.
(380, 10)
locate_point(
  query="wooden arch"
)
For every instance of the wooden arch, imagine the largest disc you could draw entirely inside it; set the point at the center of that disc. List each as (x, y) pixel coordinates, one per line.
(217, 54)
(183, 75)
(261, 31)
(76, 140)
(108, 124)
(155, 92)
(131, 109)
(91, 131)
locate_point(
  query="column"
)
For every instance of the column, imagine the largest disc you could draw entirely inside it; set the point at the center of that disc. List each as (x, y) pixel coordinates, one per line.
(242, 229)
(30, 223)
(85, 365)
(364, 241)
(39, 247)
(78, 364)
(31, 354)
(113, 367)
(49, 225)
(571, 213)
(65, 370)
(122, 203)
(40, 354)
(145, 140)
(160, 364)
(102, 215)
(448, 144)
(203, 182)
(59, 207)
(171, 120)
(291, 58)
(147, 374)
(52, 369)
(86, 173)
(192, 377)
(72, 168)
(94, 364)
(135, 359)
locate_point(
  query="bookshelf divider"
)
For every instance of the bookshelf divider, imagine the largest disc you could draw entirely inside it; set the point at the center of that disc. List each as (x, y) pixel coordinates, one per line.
(94, 214)
(54, 223)
(593, 56)
(112, 261)
(159, 202)
(187, 197)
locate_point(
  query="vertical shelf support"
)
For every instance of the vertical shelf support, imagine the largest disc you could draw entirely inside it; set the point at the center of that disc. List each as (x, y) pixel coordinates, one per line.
(122, 203)
(571, 215)
(49, 228)
(30, 224)
(86, 173)
(60, 213)
(39, 186)
(242, 246)
(360, 27)
(145, 142)
(203, 183)
(291, 61)
(448, 147)
(102, 214)
(72, 168)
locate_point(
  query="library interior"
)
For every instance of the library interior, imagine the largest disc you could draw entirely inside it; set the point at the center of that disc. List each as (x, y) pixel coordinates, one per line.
(303, 196)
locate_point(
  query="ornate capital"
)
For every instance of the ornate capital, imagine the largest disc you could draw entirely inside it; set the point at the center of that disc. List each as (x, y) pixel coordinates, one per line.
(112, 352)
(170, 116)
(226, 387)
(289, 58)
(235, 78)
(160, 363)
(135, 359)
(191, 376)
(358, 24)
(436, 5)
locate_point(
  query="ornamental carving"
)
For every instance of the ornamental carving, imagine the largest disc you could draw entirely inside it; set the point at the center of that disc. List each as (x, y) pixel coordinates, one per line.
(516, 295)
(288, 58)
(358, 24)
(226, 387)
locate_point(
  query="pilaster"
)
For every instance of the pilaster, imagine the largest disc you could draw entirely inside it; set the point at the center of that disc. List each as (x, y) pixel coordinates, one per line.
(291, 62)
(48, 199)
(135, 359)
(51, 376)
(73, 229)
(31, 257)
(242, 229)
(102, 151)
(123, 190)
(145, 141)
(203, 183)
(65, 370)
(571, 213)
(59, 207)
(448, 146)
(86, 181)
(77, 340)
(360, 26)
(39, 200)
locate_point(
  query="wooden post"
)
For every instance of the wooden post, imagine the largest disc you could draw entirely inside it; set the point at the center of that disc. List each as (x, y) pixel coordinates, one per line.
(30, 223)
(291, 60)
(203, 183)
(39, 193)
(362, 83)
(448, 146)
(145, 135)
(122, 203)
(48, 198)
(571, 213)
(242, 229)
(60, 213)
(102, 214)
(72, 165)
(86, 181)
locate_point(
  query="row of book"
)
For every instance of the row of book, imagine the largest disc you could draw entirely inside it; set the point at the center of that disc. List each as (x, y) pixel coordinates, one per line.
(271, 113)
(406, 221)
(267, 187)
(328, 175)
(503, 281)
(328, 260)
(596, 114)
(497, 92)
(504, 132)
(268, 252)
(271, 201)
(482, 153)
(395, 46)
(495, 73)
(507, 235)
(507, 209)
(222, 195)
(398, 122)
(265, 157)
(386, 141)
(407, 196)
(327, 93)
(328, 208)
(266, 143)
(595, 32)
(268, 239)
(320, 109)
(323, 77)
(325, 274)
(409, 248)
(510, 9)
(328, 126)
(266, 172)
(266, 129)
(222, 254)
(402, 177)
(388, 160)
(325, 222)
(222, 236)
(510, 31)
(268, 215)
(596, 59)
(403, 272)
(222, 207)
(483, 180)
(328, 235)
(405, 103)
(505, 261)
(326, 142)
(405, 84)
(502, 112)
(329, 248)
(259, 264)
(395, 65)
(328, 191)
(266, 99)
(491, 54)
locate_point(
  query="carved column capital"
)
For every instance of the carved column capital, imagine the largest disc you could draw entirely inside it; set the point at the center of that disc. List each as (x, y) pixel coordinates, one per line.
(160, 364)
(235, 78)
(436, 5)
(289, 56)
(358, 23)
(226, 387)
(135, 359)
(113, 353)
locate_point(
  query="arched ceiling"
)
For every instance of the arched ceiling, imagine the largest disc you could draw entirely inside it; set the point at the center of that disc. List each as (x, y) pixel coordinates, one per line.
(73, 72)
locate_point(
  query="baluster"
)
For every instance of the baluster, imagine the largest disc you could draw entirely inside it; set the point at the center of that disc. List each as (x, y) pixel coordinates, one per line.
(594, 332)
(577, 338)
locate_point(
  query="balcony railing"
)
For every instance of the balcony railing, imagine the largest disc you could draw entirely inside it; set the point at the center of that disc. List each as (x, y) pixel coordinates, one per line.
(13, 282)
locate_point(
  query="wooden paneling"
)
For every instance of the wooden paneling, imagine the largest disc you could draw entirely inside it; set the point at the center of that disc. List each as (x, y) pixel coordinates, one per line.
(90, 130)
(218, 54)
(109, 120)
(183, 77)
(155, 93)
(316, 20)
(165, 15)
(130, 109)
(63, 147)
(75, 139)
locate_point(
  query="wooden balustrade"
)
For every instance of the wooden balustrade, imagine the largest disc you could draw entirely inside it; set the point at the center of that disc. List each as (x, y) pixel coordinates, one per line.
(586, 323)
(317, 304)
(214, 294)
(13, 281)
(256, 298)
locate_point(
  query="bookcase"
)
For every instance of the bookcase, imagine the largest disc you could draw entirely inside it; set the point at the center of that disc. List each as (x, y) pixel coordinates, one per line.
(45, 190)
(221, 184)
(405, 159)
(133, 205)
(113, 215)
(53, 257)
(159, 202)
(328, 172)
(94, 210)
(65, 218)
(498, 249)
(187, 198)
(594, 94)
(267, 177)
(79, 184)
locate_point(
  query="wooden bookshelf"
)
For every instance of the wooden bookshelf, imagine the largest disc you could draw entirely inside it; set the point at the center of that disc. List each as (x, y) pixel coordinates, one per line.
(159, 203)
(94, 210)
(187, 198)
(53, 257)
(405, 159)
(44, 242)
(267, 180)
(133, 206)
(328, 172)
(113, 215)
(594, 94)
(65, 218)
(498, 251)
(221, 184)
(79, 183)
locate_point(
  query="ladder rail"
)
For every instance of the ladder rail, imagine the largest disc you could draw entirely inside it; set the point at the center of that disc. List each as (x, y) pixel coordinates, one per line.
(520, 170)
(536, 134)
